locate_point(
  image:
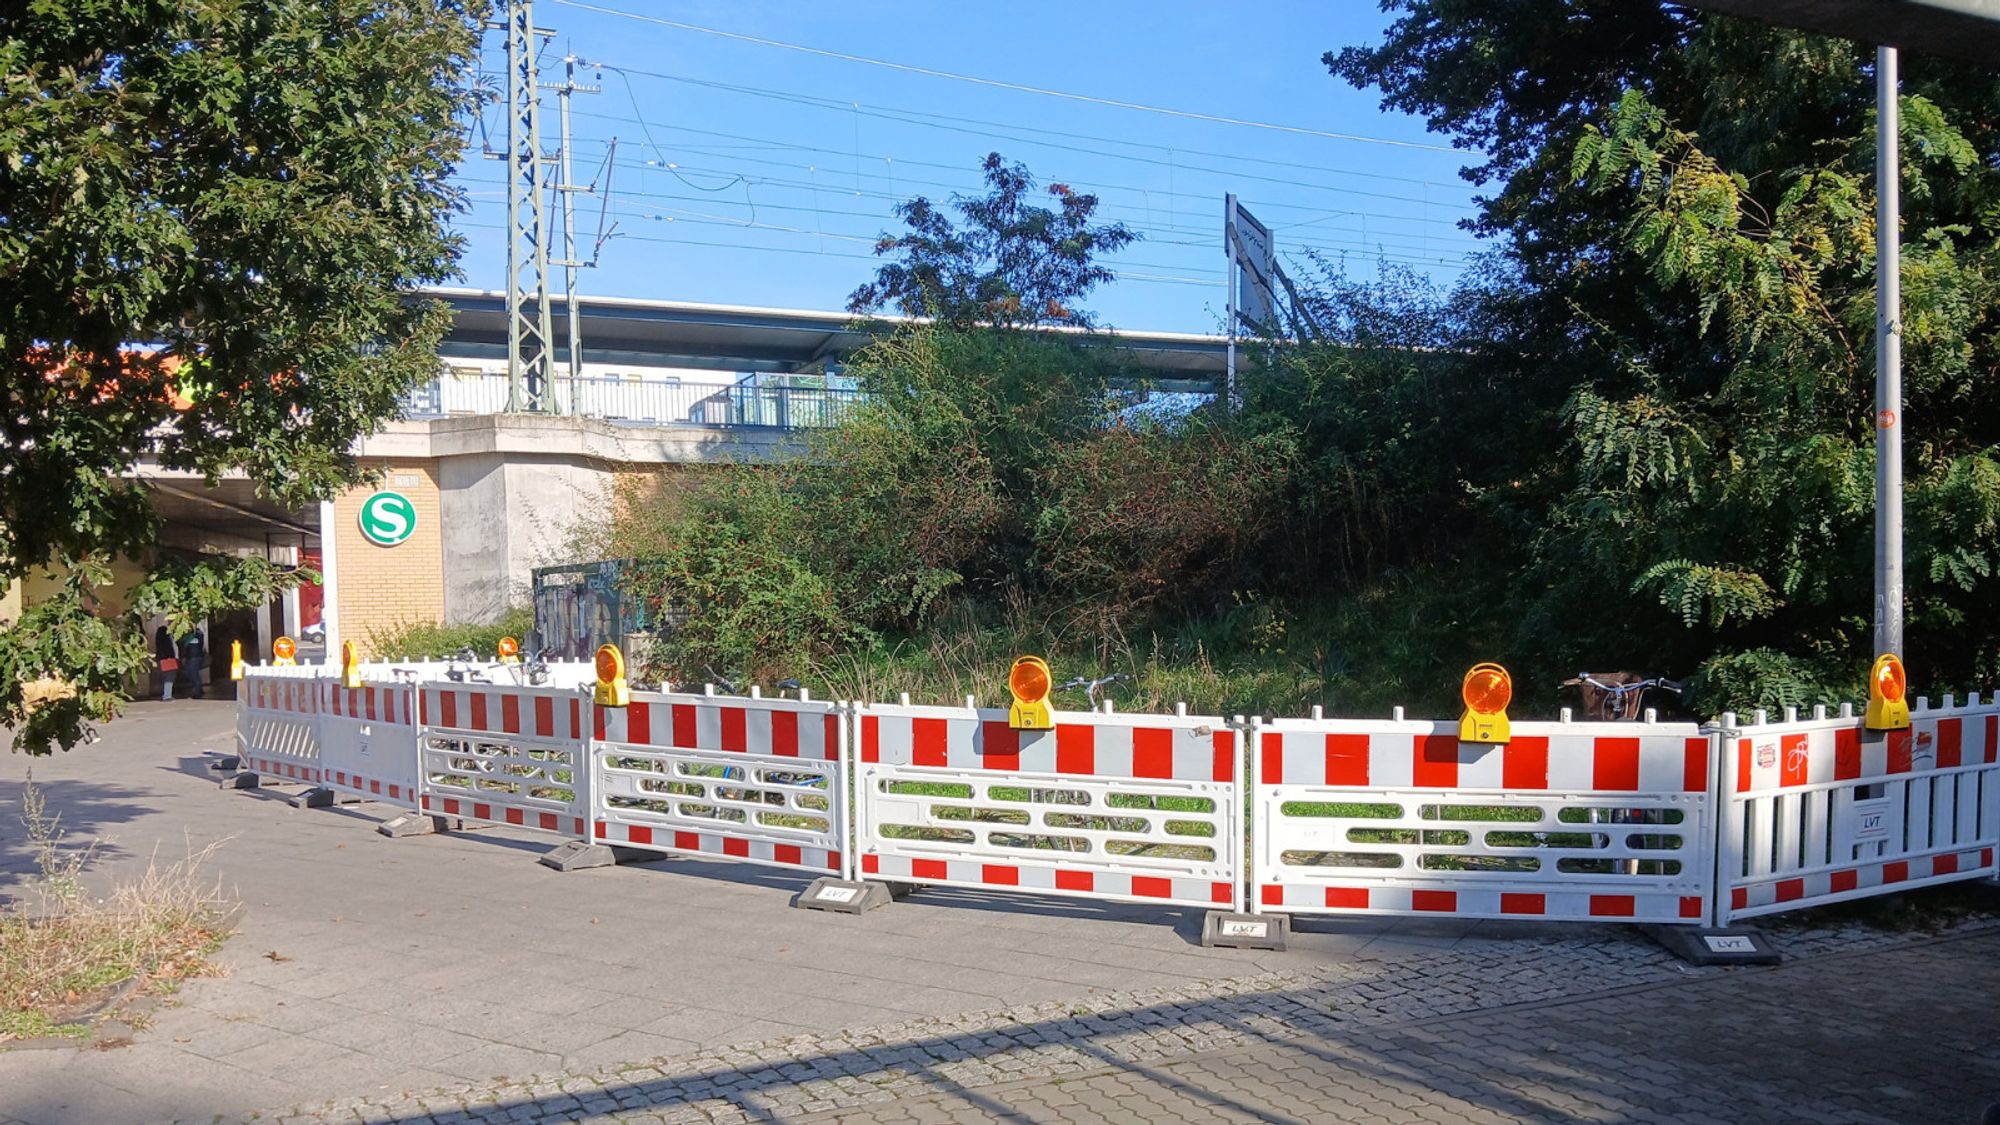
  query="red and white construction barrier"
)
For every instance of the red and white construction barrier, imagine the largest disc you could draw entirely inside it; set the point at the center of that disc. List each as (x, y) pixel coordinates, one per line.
(1819, 810)
(759, 780)
(1135, 807)
(277, 723)
(506, 754)
(368, 740)
(1607, 821)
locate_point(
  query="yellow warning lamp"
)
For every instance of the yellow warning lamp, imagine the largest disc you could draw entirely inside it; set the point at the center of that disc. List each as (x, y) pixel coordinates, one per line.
(612, 690)
(1487, 690)
(1888, 694)
(1030, 682)
(284, 652)
(350, 666)
(236, 660)
(510, 650)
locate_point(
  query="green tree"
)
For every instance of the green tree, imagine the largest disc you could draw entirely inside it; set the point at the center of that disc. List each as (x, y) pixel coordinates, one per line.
(1011, 262)
(211, 214)
(1687, 200)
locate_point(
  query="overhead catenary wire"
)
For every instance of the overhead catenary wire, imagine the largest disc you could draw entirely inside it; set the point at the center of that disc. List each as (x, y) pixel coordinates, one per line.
(1013, 132)
(1109, 205)
(1018, 87)
(1176, 165)
(1205, 282)
(1151, 234)
(725, 164)
(676, 169)
(1368, 250)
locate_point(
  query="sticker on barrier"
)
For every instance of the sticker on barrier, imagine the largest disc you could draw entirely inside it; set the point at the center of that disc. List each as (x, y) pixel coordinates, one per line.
(1575, 821)
(1820, 810)
(368, 741)
(277, 723)
(1132, 807)
(504, 754)
(758, 780)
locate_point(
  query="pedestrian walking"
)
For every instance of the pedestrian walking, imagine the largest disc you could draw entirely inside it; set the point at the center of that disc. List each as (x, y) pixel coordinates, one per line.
(194, 654)
(170, 664)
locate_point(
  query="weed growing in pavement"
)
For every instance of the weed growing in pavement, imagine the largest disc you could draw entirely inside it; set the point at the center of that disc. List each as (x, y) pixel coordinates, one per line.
(63, 952)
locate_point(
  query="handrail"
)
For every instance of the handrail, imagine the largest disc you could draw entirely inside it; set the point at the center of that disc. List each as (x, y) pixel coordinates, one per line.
(644, 402)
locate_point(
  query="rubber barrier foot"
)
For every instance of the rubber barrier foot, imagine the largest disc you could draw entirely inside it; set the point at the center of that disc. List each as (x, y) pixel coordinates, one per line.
(1706, 945)
(317, 797)
(577, 856)
(412, 824)
(842, 896)
(225, 763)
(245, 780)
(1245, 931)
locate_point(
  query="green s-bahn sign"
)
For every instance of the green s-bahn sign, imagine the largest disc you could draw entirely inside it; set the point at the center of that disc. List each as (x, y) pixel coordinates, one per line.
(388, 518)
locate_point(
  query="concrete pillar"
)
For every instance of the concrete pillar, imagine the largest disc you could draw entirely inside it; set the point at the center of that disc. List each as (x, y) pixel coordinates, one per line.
(329, 533)
(288, 604)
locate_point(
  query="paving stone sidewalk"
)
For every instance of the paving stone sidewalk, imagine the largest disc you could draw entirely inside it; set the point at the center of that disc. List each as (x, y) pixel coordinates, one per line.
(1859, 1026)
(1907, 1035)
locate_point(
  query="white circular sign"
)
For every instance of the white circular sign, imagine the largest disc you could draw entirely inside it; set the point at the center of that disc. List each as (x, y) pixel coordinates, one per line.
(388, 518)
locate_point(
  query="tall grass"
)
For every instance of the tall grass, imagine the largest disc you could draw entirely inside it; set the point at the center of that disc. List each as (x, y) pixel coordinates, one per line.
(1357, 659)
(63, 950)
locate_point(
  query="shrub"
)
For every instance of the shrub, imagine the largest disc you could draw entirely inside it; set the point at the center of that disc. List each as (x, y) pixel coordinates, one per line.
(436, 641)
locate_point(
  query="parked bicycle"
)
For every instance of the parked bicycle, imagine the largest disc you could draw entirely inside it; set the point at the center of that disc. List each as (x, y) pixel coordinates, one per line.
(1092, 687)
(1617, 697)
(1620, 697)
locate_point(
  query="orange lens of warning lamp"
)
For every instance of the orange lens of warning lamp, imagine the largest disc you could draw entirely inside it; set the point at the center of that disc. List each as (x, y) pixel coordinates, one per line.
(609, 666)
(1487, 689)
(1029, 679)
(284, 648)
(1890, 679)
(509, 646)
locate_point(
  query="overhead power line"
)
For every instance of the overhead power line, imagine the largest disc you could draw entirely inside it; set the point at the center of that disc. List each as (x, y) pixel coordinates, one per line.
(1372, 249)
(932, 120)
(889, 162)
(1018, 87)
(1203, 282)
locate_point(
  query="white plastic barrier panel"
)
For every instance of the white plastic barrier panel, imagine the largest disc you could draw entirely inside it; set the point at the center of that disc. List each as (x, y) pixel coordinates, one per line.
(760, 780)
(277, 722)
(1135, 807)
(368, 739)
(1820, 810)
(1584, 821)
(506, 755)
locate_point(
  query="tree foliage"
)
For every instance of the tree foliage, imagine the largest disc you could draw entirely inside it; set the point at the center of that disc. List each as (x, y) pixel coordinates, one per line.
(1009, 263)
(986, 468)
(1686, 202)
(210, 216)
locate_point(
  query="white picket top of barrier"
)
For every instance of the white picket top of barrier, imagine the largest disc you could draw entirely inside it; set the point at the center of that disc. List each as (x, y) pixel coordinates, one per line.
(1819, 810)
(277, 722)
(506, 755)
(759, 780)
(1565, 821)
(1131, 807)
(368, 739)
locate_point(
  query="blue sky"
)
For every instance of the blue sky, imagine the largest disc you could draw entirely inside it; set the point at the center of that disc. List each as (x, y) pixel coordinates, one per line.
(752, 174)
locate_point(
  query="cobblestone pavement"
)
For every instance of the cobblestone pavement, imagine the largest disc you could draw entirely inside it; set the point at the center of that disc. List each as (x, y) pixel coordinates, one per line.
(1858, 1026)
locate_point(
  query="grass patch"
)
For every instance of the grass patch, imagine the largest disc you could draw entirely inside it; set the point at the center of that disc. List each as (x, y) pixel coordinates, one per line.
(63, 952)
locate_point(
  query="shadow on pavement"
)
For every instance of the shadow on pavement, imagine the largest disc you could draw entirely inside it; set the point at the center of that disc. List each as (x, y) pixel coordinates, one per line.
(83, 812)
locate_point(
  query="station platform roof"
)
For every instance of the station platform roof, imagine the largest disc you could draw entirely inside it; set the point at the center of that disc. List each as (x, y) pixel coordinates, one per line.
(653, 333)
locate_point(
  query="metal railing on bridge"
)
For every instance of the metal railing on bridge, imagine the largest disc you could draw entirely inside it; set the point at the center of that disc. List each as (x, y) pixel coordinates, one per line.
(644, 402)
